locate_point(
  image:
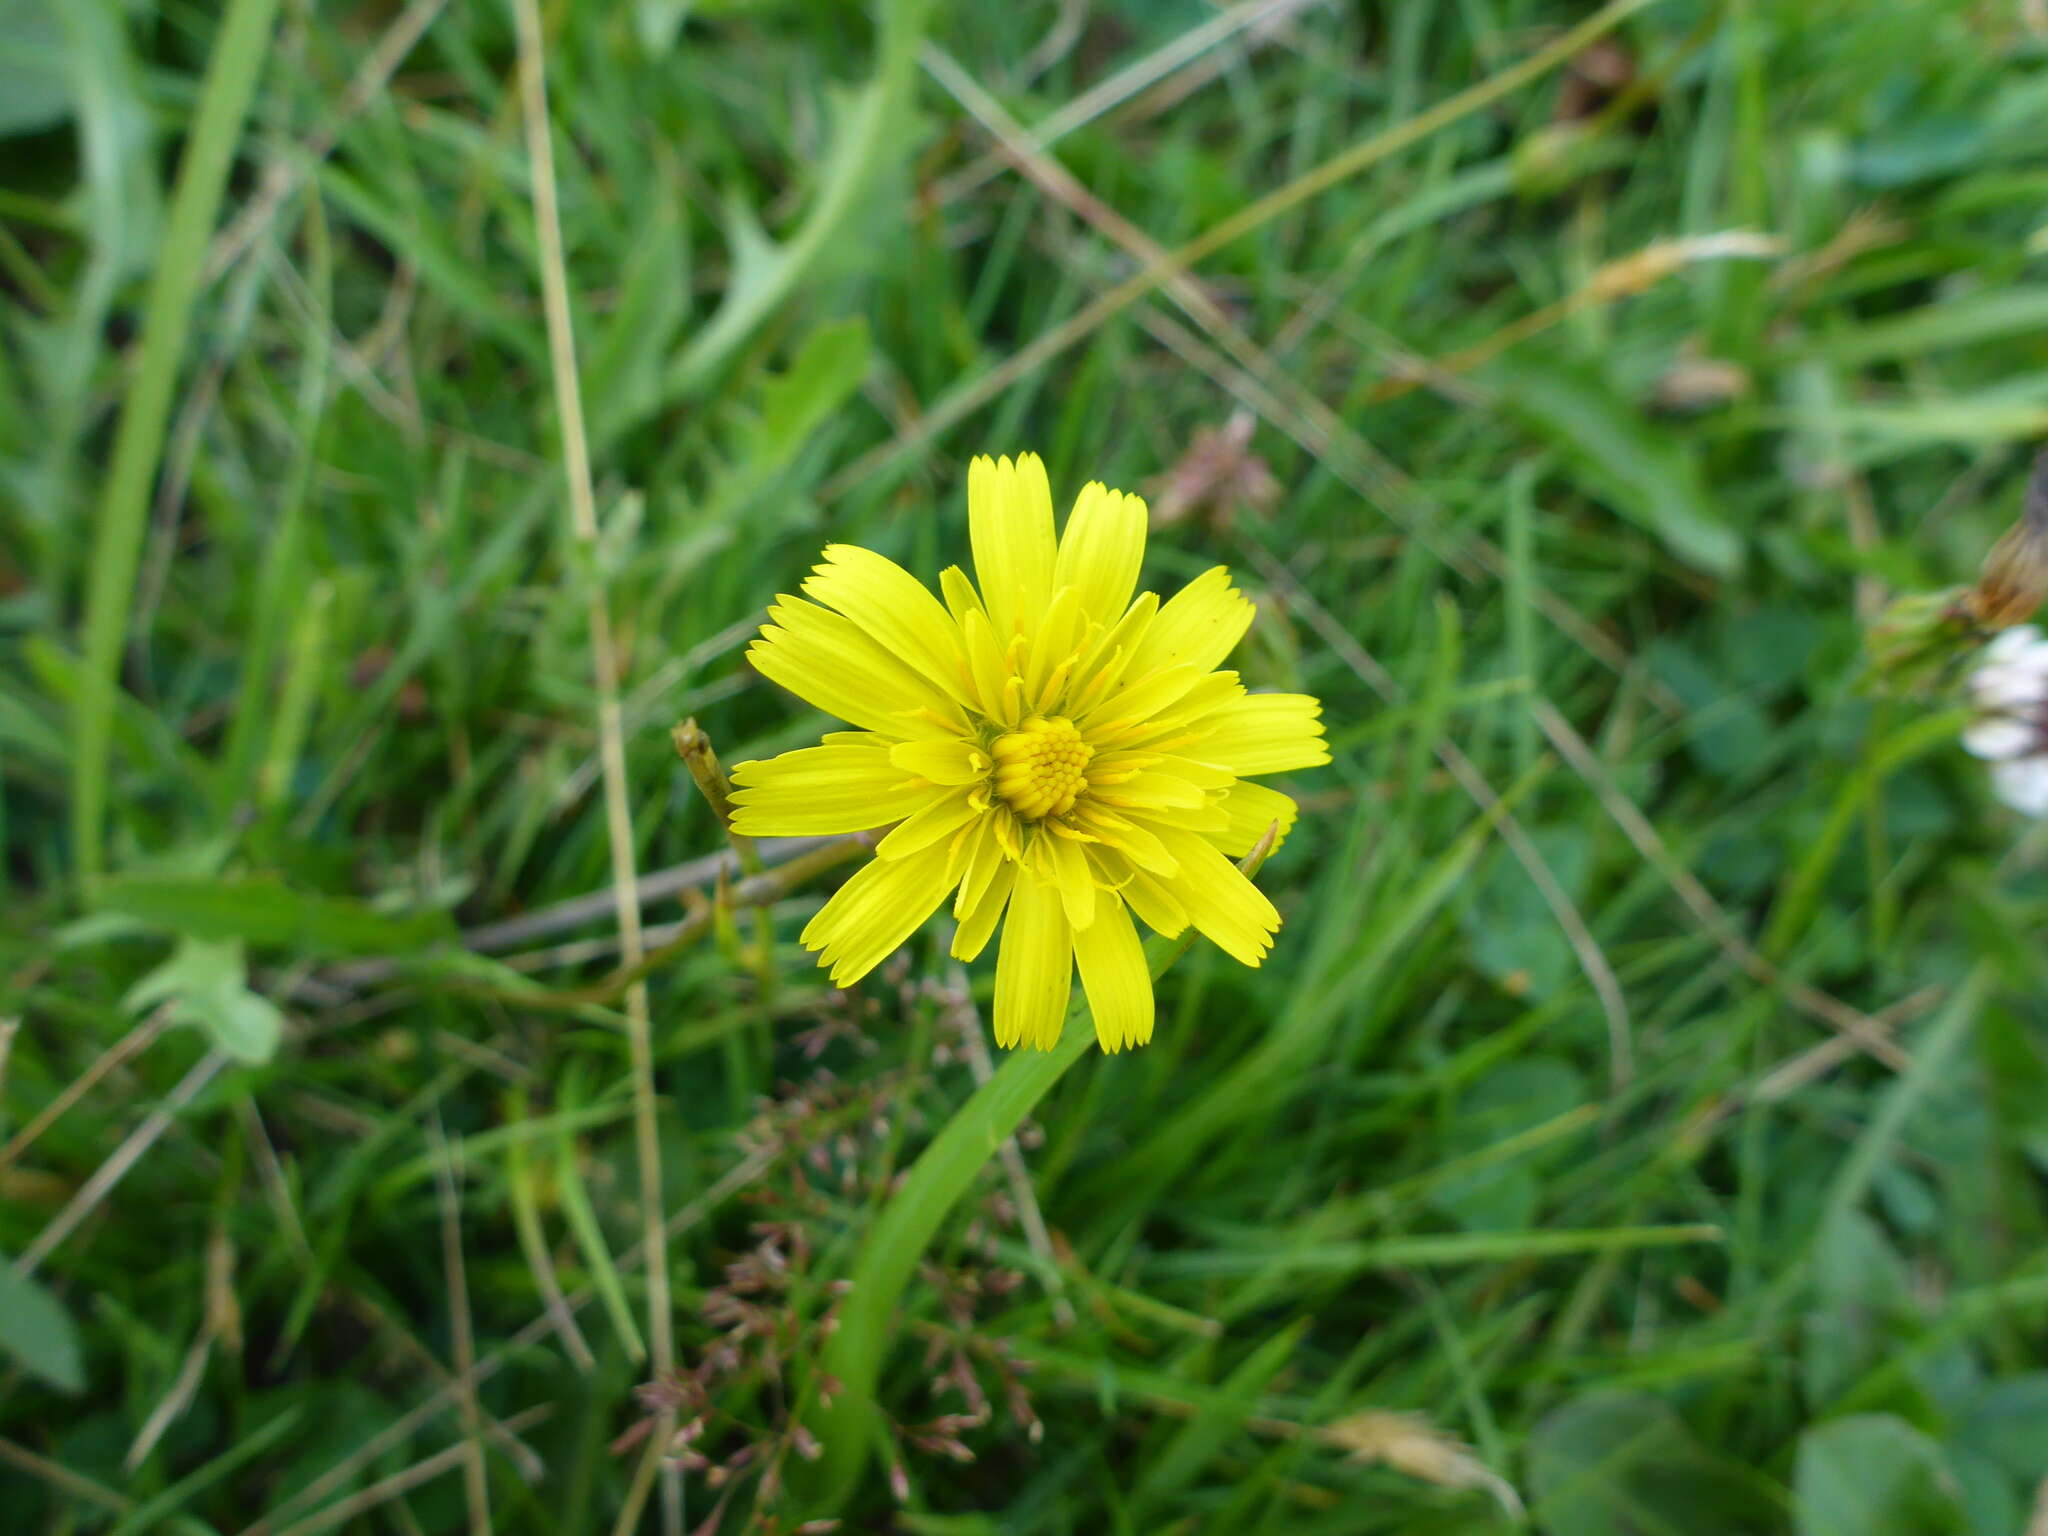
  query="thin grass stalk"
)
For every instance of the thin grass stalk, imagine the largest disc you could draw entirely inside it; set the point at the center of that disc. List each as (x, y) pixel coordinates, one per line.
(238, 54)
(604, 663)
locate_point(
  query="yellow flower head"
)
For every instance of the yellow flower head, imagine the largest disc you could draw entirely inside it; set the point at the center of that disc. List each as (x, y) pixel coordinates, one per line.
(1043, 744)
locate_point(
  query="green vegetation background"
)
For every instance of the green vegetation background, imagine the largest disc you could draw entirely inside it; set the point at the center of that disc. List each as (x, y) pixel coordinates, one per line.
(1649, 1090)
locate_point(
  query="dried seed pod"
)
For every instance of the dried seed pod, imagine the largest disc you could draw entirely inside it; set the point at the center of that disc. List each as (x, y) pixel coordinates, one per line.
(2015, 574)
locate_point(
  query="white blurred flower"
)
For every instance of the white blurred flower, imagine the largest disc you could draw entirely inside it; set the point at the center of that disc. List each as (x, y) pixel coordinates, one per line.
(2010, 689)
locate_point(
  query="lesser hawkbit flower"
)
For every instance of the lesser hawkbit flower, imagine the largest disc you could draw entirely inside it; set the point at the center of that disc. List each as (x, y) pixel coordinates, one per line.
(1042, 743)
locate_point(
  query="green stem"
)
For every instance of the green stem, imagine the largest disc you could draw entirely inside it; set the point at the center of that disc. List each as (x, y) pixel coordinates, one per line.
(238, 54)
(899, 1237)
(910, 1220)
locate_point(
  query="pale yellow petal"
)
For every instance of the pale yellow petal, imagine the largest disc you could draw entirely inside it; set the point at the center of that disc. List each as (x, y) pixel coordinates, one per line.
(1208, 818)
(1252, 808)
(939, 819)
(1100, 671)
(1131, 713)
(1009, 517)
(820, 790)
(1034, 968)
(823, 658)
(1261, 733)
(958, 591)
(1068, 867)
(874, 912)
(1230, 911)
(1153, 900)
(1055, 636)
(1115, 977)
(1150, 791)
(1169, 727)
(1128, 837)
(894, 608)
(980, 919)
(952, 760)
(1199, 626)
(1101, 549)
(987, 665)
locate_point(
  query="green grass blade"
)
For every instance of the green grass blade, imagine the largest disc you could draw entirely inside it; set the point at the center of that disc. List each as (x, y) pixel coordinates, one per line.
(238, 55)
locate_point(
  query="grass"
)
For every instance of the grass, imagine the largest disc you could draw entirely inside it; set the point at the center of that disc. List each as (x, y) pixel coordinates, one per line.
(1641, 1125)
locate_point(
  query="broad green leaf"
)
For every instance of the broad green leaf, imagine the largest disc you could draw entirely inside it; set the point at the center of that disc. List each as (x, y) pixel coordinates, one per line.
(1514, 936)
(1861, 1302)
(1874, 1475)
(1624, 1464)
(36, 1330)
(2009, 1425)
(208, 979)
(34, 93)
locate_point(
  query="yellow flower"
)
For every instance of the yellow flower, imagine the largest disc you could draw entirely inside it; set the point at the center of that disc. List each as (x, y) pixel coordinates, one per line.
(1044, 744)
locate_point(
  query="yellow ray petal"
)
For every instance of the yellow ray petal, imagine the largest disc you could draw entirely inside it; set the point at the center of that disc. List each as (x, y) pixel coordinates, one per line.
(823, 658)
(1252, 808)
(987, 666)
(952, 760)
(1101, 549)
(819, 790)
(1115, 977)
(1152, 708)
(1056, 632)
(874, 912)
(980, 921)
(1153, 900)
(961, 598)
(1209, 818)
(1261, 733)
(1068, 867)
(1101, 668)
(1034, 968)
(1126, 836)
(941, 818)
(1009, 516)
(1199, 626)
(1158, 729)
(1231, 912)
(1151, 791)
(895, 609)
(982, 857)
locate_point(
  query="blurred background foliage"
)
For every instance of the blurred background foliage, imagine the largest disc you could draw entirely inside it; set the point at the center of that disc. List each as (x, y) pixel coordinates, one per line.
(1641, 1125)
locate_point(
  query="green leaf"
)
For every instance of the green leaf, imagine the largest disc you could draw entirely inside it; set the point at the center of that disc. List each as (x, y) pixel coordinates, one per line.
(1874, 1475)
(826, 370)
(1649, 477)
(34, 92)
(1861, 1303)
(2009, 1425)
(1514, 936)
(209, 981)
(264, 911)
(1623, 1464)
(37, 1331)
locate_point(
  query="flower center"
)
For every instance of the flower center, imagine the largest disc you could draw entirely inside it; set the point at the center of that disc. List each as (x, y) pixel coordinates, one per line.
(1041, 767)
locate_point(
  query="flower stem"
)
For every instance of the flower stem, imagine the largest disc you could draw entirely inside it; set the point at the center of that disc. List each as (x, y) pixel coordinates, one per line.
(850, 1427)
